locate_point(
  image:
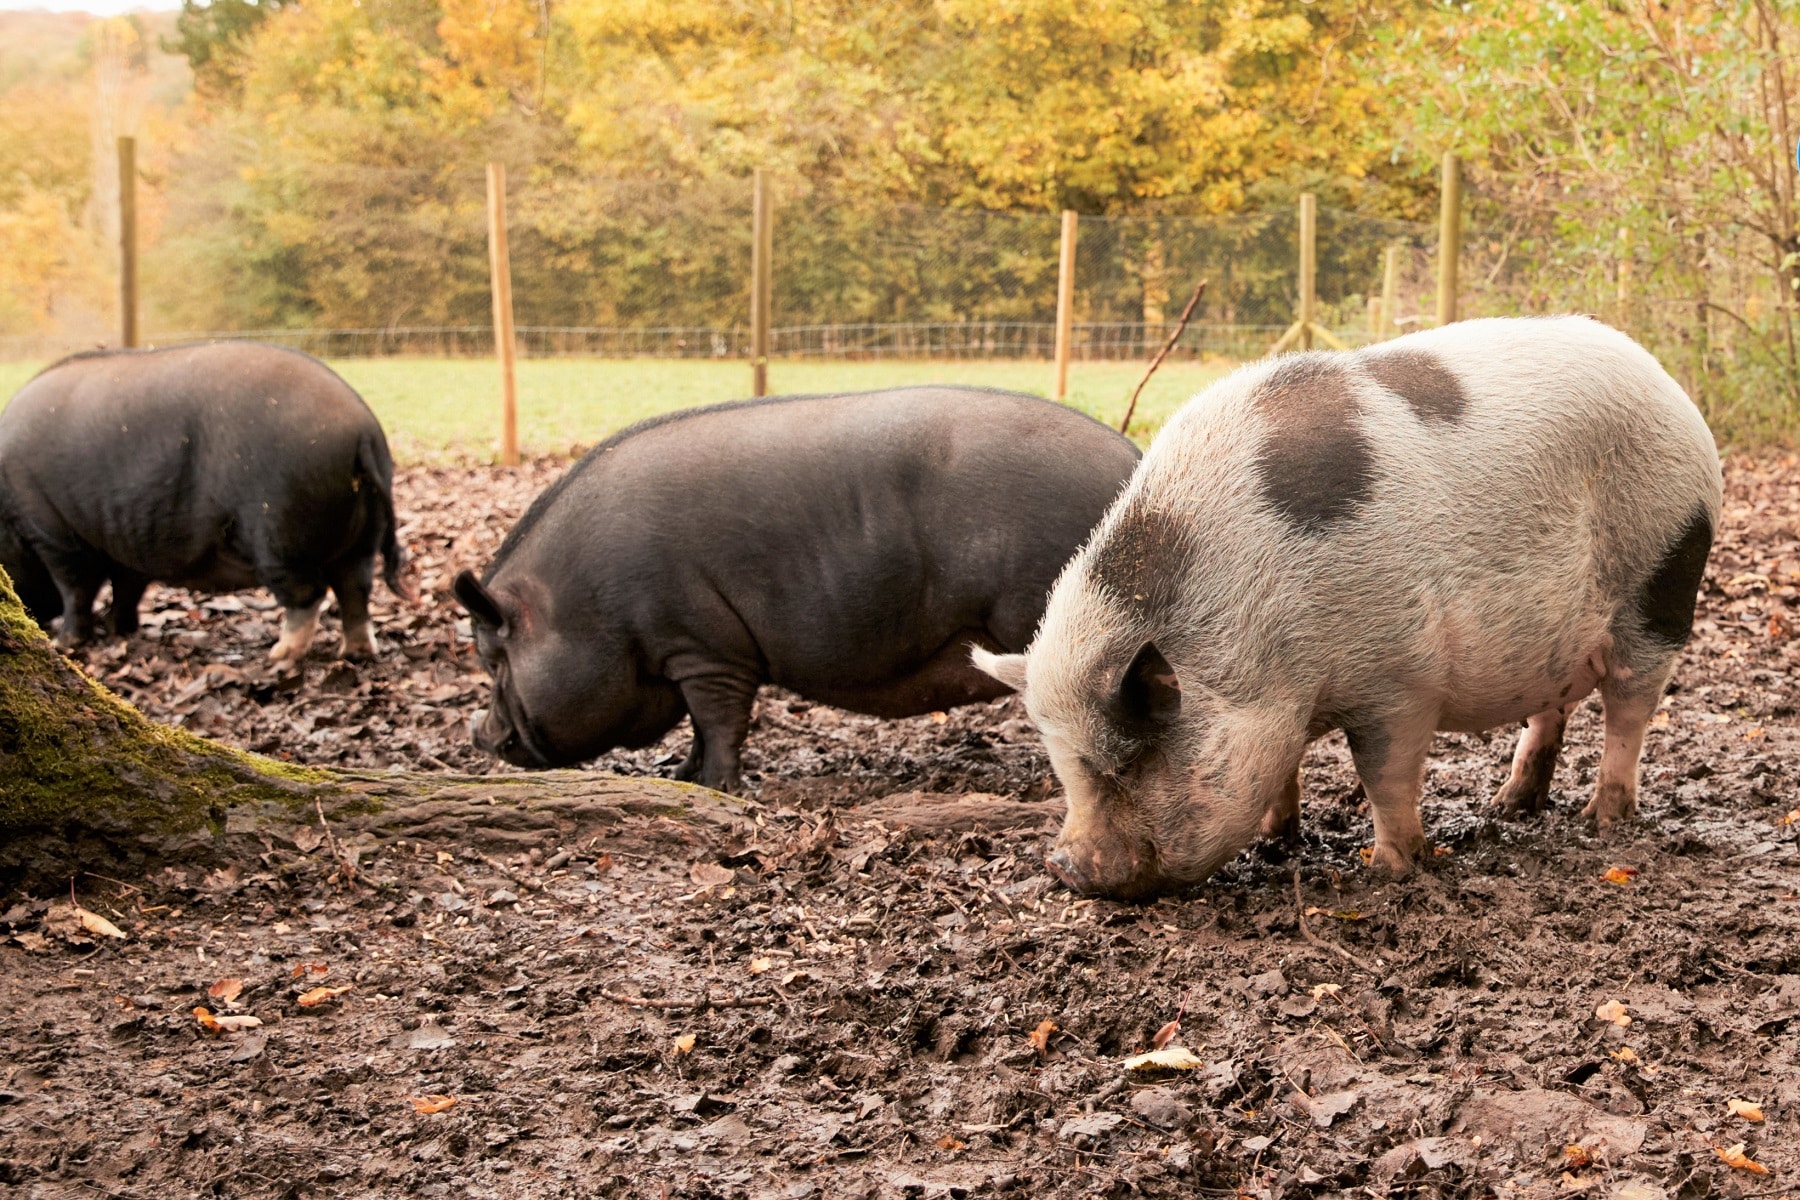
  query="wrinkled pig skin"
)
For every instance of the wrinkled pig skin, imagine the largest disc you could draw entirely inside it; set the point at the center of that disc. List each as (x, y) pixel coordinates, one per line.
(217, 467)
(850, 548)
(1454, 530)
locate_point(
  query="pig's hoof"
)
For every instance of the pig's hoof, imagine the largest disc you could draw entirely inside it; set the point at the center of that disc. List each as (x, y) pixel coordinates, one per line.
(1613, 804)
(286, 655)
(1518, 798)
(361, 648)
(1395, 860)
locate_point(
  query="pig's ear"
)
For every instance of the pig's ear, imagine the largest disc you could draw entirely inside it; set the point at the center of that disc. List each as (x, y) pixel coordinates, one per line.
(1149, 692)
(478, 600)
(1007, 668)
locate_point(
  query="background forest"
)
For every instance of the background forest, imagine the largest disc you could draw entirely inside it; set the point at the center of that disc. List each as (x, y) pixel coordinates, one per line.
(318, 165)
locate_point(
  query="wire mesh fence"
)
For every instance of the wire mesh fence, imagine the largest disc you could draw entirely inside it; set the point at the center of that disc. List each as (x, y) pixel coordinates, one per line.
(358, 261)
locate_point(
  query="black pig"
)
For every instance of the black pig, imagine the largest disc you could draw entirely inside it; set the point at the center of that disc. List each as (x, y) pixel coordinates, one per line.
(851, 548)
(216, 467)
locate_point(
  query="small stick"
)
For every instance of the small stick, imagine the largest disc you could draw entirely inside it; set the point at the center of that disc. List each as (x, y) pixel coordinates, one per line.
(1180, 328)
(346, 868)
(1315, 939)
(708, 1002)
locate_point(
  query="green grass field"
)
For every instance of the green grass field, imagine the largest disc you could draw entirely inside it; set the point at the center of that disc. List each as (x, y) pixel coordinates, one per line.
(437, 409)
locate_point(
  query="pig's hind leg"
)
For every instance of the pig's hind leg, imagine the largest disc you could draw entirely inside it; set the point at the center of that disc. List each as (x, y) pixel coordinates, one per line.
(1527, 790)
(351, 583)
(1390, 760)
(1631, 701)
(1648, 635)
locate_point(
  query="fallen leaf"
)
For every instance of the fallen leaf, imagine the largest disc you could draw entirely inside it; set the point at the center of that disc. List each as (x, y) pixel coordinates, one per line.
(1166, 1034)
(1322, 990)
(710, 874)
(938, 718)
(684, 1044)
(1613, 1011)
(1577, 1156)
(432, 1104)
(320, 995)
(1574, 1183)
(949, 1142)
(1620, 875)
(213, 1024)
(1440, 851)
(1734, 1156)
(1750, 1112)
(1625, 1054)
(1368, 854)
(1792, 818)
(793, 977)
(315, 968)
(603, 864)
(95, 923)
(226, 989)
(1171, 1058)
(759, 965)
(1040, 1037)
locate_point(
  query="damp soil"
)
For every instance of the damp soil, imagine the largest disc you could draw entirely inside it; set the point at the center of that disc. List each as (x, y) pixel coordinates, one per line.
(836, 1004)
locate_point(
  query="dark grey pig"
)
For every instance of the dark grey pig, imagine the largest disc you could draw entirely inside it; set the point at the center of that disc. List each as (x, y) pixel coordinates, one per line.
(215, 467)
(851, 548)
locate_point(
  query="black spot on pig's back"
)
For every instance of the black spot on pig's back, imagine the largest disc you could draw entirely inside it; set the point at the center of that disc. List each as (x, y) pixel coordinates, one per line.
(1665, 604)
(1315, 465)
(1420, 378)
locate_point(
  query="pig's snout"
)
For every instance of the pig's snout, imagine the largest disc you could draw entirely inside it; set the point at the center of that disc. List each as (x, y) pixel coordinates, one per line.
(1126, 870)
(1062, 865)
(493, 734)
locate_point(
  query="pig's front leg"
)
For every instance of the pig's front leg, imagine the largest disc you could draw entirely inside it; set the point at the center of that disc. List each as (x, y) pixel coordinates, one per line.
(1282, 820)
(1390, 760)
(1527, 790)
(719, 706)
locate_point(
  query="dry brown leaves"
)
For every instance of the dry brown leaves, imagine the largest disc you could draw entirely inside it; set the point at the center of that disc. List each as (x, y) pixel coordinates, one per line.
(1734, 1156)
(427, 1105)
(1040, 1037)
(1613, 1011)
(1620, 875)
(314, 997)
(226, 989)
(1752, 1113)
(216, 1024)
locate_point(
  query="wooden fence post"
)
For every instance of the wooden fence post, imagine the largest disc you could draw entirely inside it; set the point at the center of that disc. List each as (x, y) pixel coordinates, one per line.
(762, 277)
(1065, 303)
(500, 274)
(1390, 292)
(1309, 265)
(128, 247)
(1449, 239)
(1305, 328)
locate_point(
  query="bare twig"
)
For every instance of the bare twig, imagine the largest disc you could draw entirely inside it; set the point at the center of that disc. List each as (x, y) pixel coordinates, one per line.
(346, 868)
(1187, 315)
(1315, 939)
(703, 1003)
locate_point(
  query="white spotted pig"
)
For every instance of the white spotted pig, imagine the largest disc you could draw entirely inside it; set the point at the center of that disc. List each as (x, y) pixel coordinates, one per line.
(1449, 531)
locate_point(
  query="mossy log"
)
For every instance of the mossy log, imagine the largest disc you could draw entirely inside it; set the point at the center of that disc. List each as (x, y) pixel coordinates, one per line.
(87, 782)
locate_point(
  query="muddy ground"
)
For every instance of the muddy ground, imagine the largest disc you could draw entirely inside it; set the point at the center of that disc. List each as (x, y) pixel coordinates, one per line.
(835, 1006)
